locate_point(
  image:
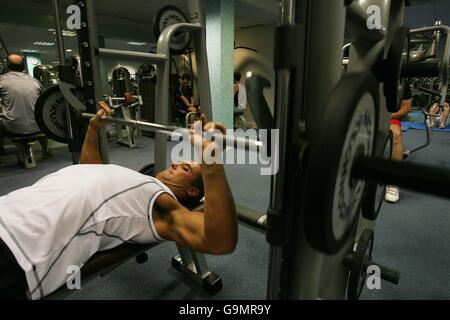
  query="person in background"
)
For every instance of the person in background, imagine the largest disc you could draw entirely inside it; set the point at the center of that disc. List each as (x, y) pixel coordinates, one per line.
(184, 96)
(19, 92)
(392, 192)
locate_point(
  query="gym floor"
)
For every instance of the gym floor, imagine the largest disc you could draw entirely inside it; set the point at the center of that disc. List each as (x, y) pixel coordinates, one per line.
(411, 236)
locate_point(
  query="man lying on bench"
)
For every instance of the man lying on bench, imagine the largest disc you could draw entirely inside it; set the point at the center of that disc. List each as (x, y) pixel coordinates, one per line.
(61, 221)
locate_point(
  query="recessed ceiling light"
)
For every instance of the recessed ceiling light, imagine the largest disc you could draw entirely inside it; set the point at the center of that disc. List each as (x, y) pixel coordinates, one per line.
(137, 43)
(65, 33)
(45, 44)
(69, 50)
(29, 51)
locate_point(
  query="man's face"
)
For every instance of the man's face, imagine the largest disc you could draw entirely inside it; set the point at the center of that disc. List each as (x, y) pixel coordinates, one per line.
(185, 84)
(179, 177)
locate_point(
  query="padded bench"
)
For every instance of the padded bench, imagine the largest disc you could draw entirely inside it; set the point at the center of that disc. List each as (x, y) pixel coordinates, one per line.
(105, 261)
(24, 151)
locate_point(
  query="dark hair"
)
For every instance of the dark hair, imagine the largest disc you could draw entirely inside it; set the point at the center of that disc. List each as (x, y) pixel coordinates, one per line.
(185, 76)
(237, 77)
(194, 202)
(18, 67)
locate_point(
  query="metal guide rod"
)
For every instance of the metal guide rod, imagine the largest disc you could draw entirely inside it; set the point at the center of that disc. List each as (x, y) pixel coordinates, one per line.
(238, 142)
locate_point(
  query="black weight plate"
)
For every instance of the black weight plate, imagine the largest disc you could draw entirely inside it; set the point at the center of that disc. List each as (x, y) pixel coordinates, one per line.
(49, 113)
(148, 170)
(169, 15)
(398, 56)
(358, 271)
(374, 196)
(348, 126)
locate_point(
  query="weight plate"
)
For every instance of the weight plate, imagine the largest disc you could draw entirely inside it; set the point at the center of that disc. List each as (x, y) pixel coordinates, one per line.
(347, 129)
(167, 16)
(49, 113)
(358, 271)
(398, 56)
(374, 196)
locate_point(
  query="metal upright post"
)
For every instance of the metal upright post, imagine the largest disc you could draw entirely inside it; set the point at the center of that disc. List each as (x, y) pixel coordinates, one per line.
(62, 57)
(94, 85)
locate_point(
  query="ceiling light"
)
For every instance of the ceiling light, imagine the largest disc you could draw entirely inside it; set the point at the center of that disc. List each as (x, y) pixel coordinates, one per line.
(69, 50)
(65, 33)
(136, 43)
(29, 51)
(45, 44)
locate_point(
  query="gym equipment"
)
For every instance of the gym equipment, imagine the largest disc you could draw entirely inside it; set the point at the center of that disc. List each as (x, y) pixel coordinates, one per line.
(129, 109)
(49, 114)
(344, 154)
(422, 54)
(398, 57)
(438, 68)
(328, 126)
(167, 16)
(359, 261)
(374, 197)
(121, 81)
(146, 89)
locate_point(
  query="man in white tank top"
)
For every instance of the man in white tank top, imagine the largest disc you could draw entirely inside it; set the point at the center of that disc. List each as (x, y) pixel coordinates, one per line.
(66, 217)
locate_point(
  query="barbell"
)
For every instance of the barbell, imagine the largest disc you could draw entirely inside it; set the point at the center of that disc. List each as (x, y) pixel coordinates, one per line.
(341, 159)
(50, 117)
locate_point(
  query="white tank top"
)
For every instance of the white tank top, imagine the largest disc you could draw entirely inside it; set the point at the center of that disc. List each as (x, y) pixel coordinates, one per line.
(66, 217)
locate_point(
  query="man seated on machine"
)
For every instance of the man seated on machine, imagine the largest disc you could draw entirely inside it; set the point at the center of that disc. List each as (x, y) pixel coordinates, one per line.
(392, 192)
(184, 96)
(68, 216)
(19, 93)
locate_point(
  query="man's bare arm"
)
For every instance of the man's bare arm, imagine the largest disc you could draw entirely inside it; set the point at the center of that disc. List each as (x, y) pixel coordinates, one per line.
(215, 230)
(90, 153)
(220, 226)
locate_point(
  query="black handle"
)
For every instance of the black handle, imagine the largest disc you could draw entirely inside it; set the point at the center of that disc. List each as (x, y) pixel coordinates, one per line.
(387, 274)
(418, 177)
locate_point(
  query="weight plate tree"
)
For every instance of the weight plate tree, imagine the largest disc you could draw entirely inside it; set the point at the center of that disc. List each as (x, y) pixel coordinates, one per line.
(169, 15)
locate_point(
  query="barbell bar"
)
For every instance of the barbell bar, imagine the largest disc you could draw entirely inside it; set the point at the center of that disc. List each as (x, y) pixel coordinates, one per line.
(228, 140)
